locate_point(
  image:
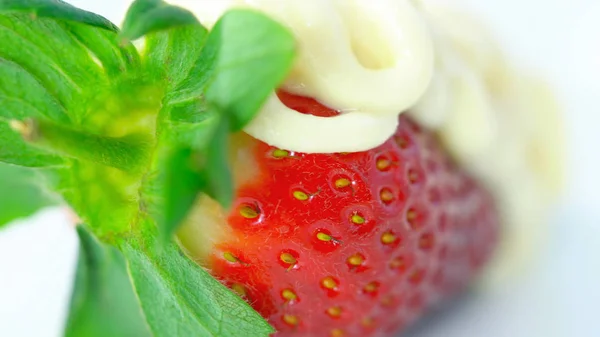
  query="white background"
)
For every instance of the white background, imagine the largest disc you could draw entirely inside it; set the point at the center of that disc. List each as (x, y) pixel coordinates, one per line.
(559, 298)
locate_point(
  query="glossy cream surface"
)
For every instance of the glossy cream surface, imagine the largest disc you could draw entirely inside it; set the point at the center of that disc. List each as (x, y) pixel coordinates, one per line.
(371, 60)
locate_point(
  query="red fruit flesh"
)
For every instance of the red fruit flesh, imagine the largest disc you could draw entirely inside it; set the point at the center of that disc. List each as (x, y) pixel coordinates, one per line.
(356, 244)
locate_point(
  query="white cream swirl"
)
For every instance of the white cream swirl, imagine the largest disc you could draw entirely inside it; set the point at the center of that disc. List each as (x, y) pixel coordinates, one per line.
(371, 60)
(501, 124)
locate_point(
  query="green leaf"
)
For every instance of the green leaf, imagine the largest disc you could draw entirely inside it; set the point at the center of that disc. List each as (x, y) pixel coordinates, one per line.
(250, 65)
(215, 171)
(21, 95)
(56, 9)
(21, 194)
(104, 302)
(247, 55)
(197, 119)
(32, 58)
(49, 69)
(188, 171)
(149, 16)
(56, 69)
(116, 56)
(51, 54)
(181, 187)
(171, 54)
(180, 299)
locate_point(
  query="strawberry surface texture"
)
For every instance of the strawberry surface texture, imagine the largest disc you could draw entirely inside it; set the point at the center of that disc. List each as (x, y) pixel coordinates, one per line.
(351, 244)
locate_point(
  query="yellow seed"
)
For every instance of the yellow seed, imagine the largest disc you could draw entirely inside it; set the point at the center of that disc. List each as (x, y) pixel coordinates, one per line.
(289, 295)
(399, 263)
(386, 195)
(342, 182)
(230, 257)
(416, 277)
(367, 322)
(356, 260)
(413, 177)
(288, 258)
(334, 312)
(300, 195)
(388, 238)
(324, 237)
(383, 164)
(403, 143)
(426, 241)
(248, 212)
(329, 283)
(371, 287)
(387, 301)
(239, 289)
(357, 219)
(337, 333)
(411, 215)
(291, 320)
(281, 154)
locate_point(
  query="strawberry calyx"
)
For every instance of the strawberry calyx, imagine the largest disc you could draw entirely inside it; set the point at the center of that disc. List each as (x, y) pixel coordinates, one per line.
(129, 138)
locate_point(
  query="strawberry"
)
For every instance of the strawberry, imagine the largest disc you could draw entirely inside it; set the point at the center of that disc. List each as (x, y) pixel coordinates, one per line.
(349, 244)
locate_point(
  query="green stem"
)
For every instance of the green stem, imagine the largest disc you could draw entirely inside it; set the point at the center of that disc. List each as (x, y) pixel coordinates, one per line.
(129, 153)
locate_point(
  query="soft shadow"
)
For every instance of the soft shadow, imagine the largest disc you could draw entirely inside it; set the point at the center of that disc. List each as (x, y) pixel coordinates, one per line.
(450, 310)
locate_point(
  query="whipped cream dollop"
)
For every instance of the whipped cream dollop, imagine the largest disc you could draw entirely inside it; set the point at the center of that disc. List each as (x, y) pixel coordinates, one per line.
(372, 60)
(500, 123)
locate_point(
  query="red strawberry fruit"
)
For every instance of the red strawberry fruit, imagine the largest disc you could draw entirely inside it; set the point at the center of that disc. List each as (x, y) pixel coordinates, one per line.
(349, 244)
